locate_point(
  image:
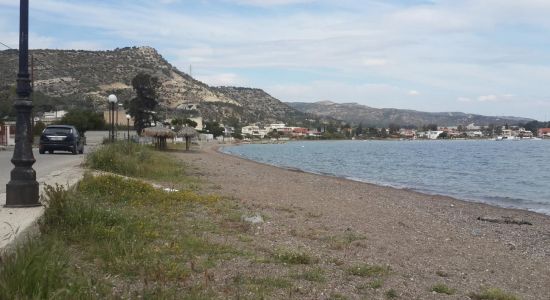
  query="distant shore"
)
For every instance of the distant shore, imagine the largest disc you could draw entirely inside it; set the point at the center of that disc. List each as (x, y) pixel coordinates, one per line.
(425, 239)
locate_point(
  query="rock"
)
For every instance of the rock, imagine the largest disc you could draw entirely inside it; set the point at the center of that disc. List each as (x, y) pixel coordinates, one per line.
(255, 219)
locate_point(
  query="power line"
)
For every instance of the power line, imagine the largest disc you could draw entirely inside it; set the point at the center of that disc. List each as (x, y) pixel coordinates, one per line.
(7, 46)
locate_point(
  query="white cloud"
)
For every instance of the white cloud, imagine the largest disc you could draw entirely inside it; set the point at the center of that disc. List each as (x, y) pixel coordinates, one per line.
(413, 93)
(487, 98)
(375, 62)
(446, 49)
(266, 3)
(464, 99)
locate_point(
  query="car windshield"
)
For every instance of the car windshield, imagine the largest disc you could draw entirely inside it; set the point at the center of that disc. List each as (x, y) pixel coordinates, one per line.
(58, 130)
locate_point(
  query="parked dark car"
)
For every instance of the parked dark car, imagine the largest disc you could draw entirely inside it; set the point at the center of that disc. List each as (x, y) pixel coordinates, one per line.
(61, 137)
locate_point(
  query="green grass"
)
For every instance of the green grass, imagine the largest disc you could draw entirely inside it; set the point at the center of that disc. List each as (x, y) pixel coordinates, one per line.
(493, 294)
(342, 241)
(116, 228)
(441, 288)
(259, 287)
(366, 270)
(376, 284)
(313, 275)
(39, 269)
(293, 257)
(134, 160)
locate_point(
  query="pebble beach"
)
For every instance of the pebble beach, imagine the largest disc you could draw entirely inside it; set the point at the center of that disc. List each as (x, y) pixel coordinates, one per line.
(423, 240)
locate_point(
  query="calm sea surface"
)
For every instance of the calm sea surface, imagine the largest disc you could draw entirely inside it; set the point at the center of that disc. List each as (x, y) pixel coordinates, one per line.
(504, 173)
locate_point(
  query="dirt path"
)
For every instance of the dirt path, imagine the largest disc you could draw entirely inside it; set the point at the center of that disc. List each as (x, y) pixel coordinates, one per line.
(424, 240)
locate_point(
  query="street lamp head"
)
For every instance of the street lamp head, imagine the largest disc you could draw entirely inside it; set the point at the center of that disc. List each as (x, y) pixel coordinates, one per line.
(112, 99)
(128, 117)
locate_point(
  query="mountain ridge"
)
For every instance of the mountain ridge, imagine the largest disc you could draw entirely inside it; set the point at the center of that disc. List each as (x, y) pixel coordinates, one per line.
(356, 113)
(90, 76)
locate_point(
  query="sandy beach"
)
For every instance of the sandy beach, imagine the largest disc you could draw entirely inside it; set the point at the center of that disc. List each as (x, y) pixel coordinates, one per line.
(423, 239)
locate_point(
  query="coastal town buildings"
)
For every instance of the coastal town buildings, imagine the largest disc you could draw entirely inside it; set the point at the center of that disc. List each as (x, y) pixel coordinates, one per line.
(7, 134)
(544, 133)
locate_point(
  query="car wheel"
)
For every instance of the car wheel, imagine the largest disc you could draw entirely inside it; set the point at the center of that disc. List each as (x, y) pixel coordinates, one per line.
(41, 151)
(74, 150)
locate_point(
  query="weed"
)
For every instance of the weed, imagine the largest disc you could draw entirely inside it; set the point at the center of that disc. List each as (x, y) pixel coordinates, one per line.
(39, 269)
(391, 294)
(271, 282)
(493, 294)
(130, 159)
(293, 257)
(341, 241)
(314, 275)
(376, 284)
(441, 288)
(337, 296)
(259, 287)
(118, 230)
(366, 270)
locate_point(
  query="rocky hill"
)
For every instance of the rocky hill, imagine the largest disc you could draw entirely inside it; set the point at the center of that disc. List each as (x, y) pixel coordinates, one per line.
(92, 75)
(378, 117)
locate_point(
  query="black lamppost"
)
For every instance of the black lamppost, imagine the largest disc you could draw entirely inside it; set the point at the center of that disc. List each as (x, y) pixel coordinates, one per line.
(128, 126)
(112, 101)
(22, 190)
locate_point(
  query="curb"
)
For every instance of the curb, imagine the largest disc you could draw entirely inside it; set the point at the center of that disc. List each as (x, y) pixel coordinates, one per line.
(17, 225)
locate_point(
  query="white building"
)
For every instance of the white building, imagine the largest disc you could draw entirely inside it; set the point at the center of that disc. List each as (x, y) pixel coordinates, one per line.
(275, 126)
(54, 115)
(475, 133)
(254, 131)
(472, 126)
(433, 134)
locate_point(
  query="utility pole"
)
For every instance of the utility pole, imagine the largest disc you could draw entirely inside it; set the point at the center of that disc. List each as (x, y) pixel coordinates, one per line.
(22, 190)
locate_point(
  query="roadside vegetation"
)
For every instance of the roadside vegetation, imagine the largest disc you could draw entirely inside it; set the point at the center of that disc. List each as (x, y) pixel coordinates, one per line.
(139, 161)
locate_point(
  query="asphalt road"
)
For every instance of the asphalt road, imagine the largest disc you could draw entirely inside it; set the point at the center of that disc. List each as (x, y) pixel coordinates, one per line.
(48, 163)
(45, 164)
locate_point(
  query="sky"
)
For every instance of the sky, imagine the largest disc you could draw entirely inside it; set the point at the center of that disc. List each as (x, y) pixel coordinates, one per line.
(487, 57)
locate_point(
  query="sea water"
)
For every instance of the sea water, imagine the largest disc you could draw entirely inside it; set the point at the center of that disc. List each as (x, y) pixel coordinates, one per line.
(505, 173)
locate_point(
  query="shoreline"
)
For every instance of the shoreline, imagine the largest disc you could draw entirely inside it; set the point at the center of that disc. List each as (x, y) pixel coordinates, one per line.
(546, 212)
(423, 239)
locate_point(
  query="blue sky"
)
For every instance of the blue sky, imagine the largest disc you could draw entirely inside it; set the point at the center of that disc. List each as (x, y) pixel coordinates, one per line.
(480, 56)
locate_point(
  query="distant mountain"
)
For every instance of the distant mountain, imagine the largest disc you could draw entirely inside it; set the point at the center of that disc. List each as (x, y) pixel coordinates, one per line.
(382, 117)
(87, 77)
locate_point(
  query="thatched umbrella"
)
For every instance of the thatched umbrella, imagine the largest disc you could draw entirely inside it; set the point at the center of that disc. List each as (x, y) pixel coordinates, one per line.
(160, 134)
(187, 133)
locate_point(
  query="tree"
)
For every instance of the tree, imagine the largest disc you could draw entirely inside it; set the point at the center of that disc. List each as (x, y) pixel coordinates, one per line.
(394, 128)
(432, 127)
(383, 133)
(274, 134)
(359, 129)
(443, 135)
(142, 107)
(83, 120)
(214, 128)
(179, 123)
(38, 128)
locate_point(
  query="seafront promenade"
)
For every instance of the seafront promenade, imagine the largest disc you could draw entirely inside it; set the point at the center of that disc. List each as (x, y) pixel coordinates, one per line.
(423, 239)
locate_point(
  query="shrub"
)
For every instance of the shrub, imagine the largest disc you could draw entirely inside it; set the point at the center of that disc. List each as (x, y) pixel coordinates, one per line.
(442, 289)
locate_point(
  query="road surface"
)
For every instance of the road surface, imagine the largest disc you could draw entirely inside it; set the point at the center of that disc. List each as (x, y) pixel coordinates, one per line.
(45, 164)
